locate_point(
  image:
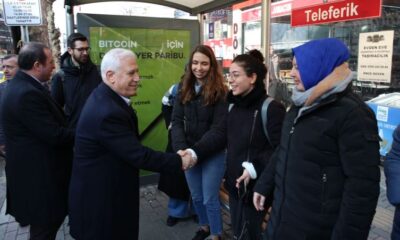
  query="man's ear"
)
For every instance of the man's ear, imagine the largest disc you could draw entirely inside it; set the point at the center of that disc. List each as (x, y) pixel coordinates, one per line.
(110, 76)
(70, 50)
(36, 65)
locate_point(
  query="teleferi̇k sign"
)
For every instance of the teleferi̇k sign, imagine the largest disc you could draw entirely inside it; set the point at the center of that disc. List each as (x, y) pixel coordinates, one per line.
(327, 11)
(22, 12)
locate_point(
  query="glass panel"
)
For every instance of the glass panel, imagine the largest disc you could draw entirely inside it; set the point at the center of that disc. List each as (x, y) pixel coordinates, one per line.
(284, 38)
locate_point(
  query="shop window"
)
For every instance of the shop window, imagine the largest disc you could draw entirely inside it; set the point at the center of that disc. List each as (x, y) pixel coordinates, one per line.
(284, 38)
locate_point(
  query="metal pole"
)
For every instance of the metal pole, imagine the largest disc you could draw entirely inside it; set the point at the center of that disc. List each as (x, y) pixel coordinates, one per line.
(69, 18)
(266, 34)
(24, 34)
(266, 27)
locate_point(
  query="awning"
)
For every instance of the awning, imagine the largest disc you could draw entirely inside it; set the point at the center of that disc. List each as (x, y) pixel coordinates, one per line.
(191, 6)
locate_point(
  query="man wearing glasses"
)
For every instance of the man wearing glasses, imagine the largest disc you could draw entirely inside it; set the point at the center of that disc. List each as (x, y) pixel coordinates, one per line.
(76, 79)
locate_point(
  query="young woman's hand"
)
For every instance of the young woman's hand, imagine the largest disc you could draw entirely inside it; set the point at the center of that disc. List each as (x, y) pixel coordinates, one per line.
(245, 177)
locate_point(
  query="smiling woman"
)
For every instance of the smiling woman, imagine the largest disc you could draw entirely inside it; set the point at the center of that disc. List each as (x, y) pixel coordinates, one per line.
(198, 126)
(248, 145)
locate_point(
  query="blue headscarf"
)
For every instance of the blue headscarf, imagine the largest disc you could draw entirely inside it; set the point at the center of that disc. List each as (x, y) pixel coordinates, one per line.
(318, 58)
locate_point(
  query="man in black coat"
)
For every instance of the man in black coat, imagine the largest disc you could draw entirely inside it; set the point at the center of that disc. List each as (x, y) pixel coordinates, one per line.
(10, 68)
(77, 78)
(38, 144)
(104, 191)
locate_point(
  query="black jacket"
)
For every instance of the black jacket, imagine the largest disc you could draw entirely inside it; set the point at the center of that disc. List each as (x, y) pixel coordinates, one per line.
(104, 191)
(39, 153)
(240, 120)
(172, 184)
(326, 172)
(199, 127)
(71, 86)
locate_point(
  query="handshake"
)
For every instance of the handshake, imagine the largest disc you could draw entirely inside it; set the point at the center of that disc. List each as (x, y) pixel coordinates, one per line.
(189, 158)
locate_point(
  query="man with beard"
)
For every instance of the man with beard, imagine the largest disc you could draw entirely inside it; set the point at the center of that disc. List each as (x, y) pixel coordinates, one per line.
(78, 76)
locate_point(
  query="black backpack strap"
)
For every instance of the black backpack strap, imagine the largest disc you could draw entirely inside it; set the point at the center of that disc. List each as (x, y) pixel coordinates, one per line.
(264, 115)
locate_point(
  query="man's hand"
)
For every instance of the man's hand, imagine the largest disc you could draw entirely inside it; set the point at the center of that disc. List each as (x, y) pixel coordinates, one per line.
(188, 161)
(245, 177)
(258, 201)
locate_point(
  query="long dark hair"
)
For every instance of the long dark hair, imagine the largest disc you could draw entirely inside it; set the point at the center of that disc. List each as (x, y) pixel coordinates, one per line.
(213, 87)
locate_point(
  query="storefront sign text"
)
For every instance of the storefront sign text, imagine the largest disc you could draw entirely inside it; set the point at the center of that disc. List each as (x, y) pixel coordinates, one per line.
(336, 11)
(281, 8)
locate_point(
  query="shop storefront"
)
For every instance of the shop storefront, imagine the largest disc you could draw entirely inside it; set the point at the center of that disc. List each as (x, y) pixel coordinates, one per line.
(374, 41)
(234, 30)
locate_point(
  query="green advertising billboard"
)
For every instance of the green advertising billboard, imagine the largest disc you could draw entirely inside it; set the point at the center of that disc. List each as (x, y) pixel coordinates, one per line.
(162, 55)
(163, 47)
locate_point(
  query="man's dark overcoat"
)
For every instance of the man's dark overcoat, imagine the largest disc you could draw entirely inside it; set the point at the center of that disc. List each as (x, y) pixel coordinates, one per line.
(39, 153)
(104, 191)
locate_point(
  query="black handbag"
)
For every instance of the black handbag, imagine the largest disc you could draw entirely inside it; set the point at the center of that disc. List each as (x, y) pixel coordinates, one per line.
(244, 232)
(244, 195)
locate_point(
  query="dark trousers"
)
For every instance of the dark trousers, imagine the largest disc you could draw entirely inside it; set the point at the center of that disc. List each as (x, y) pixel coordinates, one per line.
(241, 212)
(396, 224)
(45, 232)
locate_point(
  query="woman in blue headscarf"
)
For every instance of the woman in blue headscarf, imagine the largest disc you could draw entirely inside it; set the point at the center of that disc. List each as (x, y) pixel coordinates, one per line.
(324, 176)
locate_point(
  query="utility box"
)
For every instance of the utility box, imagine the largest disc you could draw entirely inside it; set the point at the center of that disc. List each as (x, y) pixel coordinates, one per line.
(387, 111)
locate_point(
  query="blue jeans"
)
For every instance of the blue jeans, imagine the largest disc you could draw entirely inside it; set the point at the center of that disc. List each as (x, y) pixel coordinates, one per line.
(204, 181)
(179, 208)
(396, 224)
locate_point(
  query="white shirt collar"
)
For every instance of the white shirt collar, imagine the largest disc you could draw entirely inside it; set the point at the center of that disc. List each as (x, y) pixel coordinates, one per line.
(41, 83)
(127, 100)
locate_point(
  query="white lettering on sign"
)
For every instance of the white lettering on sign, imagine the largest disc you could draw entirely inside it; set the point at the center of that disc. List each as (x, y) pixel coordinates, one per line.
(286, 8)
(349, 10)
(174, 44)
(117, 44)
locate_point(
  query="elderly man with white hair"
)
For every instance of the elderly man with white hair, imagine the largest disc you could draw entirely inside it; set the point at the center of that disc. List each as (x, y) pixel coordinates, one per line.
(104, 190)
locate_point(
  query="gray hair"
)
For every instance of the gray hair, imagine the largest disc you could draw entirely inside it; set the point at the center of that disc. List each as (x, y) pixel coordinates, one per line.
(112, 60)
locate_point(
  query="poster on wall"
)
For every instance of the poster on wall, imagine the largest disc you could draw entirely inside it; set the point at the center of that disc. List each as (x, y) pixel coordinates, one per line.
(375, 56)
(211, 30)
(162, 55)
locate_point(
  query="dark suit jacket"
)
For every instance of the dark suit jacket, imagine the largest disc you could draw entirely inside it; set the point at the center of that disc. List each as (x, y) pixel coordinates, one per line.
(39, 152)
(104, 191)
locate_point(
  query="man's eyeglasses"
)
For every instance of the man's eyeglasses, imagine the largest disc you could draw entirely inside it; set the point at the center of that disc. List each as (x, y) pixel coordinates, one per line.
(83, 49)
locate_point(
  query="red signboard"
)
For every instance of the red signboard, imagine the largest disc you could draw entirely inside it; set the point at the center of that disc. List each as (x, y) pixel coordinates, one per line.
(252, 15)
(281, 8)
(309, 3)
(336, 11)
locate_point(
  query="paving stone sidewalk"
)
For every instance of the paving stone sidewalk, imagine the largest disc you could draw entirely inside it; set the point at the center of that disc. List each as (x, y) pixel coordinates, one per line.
(153, 214)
